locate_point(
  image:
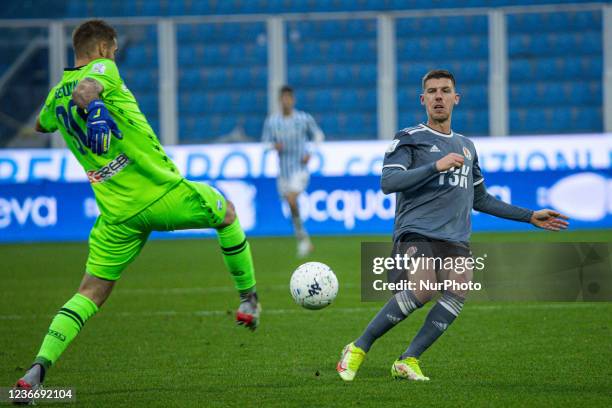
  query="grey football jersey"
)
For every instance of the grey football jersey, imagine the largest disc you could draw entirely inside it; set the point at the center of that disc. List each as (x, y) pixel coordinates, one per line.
(440, 207)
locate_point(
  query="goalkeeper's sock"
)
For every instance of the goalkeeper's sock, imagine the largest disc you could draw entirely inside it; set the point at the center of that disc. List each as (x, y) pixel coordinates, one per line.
(237, 255)
(393, 312)
(444, 312)
(65, 326)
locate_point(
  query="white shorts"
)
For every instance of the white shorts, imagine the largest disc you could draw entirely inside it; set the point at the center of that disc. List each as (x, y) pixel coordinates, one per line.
(296, 183)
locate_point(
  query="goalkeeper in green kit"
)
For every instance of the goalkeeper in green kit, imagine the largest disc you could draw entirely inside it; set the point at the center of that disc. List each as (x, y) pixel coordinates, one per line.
(138, 189)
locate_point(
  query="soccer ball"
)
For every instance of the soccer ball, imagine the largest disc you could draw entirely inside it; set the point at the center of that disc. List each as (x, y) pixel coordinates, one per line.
(313, 285)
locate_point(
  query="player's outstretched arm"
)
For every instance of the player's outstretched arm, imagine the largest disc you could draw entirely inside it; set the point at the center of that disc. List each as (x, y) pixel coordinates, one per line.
(546, 219)
(549, 220)
(488, 204)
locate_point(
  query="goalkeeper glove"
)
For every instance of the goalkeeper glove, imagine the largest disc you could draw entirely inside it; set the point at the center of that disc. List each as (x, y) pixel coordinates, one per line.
(100, 127)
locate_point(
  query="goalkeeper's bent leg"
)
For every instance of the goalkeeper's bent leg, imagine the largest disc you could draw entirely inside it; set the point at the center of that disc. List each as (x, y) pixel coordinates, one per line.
(236, 252)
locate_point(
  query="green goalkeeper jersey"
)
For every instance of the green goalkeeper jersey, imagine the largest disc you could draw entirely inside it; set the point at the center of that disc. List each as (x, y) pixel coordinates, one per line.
(135, 171)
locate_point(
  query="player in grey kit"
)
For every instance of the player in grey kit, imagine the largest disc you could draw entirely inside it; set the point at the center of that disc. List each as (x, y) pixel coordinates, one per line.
(438, 182)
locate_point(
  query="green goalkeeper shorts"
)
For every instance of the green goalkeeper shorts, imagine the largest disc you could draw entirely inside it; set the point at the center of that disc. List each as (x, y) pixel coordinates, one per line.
(188, 205)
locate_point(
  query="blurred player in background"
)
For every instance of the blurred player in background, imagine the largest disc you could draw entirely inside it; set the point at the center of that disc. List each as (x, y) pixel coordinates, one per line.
(438, 182)
(138, 189)
(289, 132)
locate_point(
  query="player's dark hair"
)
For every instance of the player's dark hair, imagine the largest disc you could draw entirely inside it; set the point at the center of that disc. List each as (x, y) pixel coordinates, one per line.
(90, 33)
(286, 89)
(436, 74)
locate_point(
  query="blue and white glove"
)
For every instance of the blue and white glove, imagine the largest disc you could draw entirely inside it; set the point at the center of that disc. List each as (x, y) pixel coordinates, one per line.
(100, 127)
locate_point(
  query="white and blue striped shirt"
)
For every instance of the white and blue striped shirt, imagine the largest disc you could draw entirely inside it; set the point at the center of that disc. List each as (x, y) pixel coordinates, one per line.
(293, 133)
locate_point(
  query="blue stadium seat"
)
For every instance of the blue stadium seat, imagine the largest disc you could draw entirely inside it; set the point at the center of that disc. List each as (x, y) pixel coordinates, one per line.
(100, 9)
(178, 8)
(154, 122)
(192, 103)
(589, 119)
(213, 77)
(249, 7)
(520, 69)
(555, 44)
(474, 96)
(408, 98)
(140, 79)
(218, 102)
(185, 33)
(559, 119)
(189, 78)
(149, 8)
(407, 49)
(307, 76)
(410, 117)
(550, 22)
(471, 71)
(527, 94)
(523, 22)
(477, 121)
(460, 121)
(323, 100)
(258, 75)
(77, 9)
(248, 102)
(526, 121)
(253, 125)
(147, 103)
(333, 64)
(586, 20)
(326, 75)
(586, 93)
(186, 128)
(325, 29)
(329, 125)
(410, 73)
(201, 7)
(366, 99)
(221, 33)
(187, 56)
(476, 46)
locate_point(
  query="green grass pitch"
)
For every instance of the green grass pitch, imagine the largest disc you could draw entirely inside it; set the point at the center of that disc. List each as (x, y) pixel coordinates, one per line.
(166, 336)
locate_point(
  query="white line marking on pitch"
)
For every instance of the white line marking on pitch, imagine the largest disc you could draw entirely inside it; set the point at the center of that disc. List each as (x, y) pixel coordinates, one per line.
(210, 289)
(212, 313)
